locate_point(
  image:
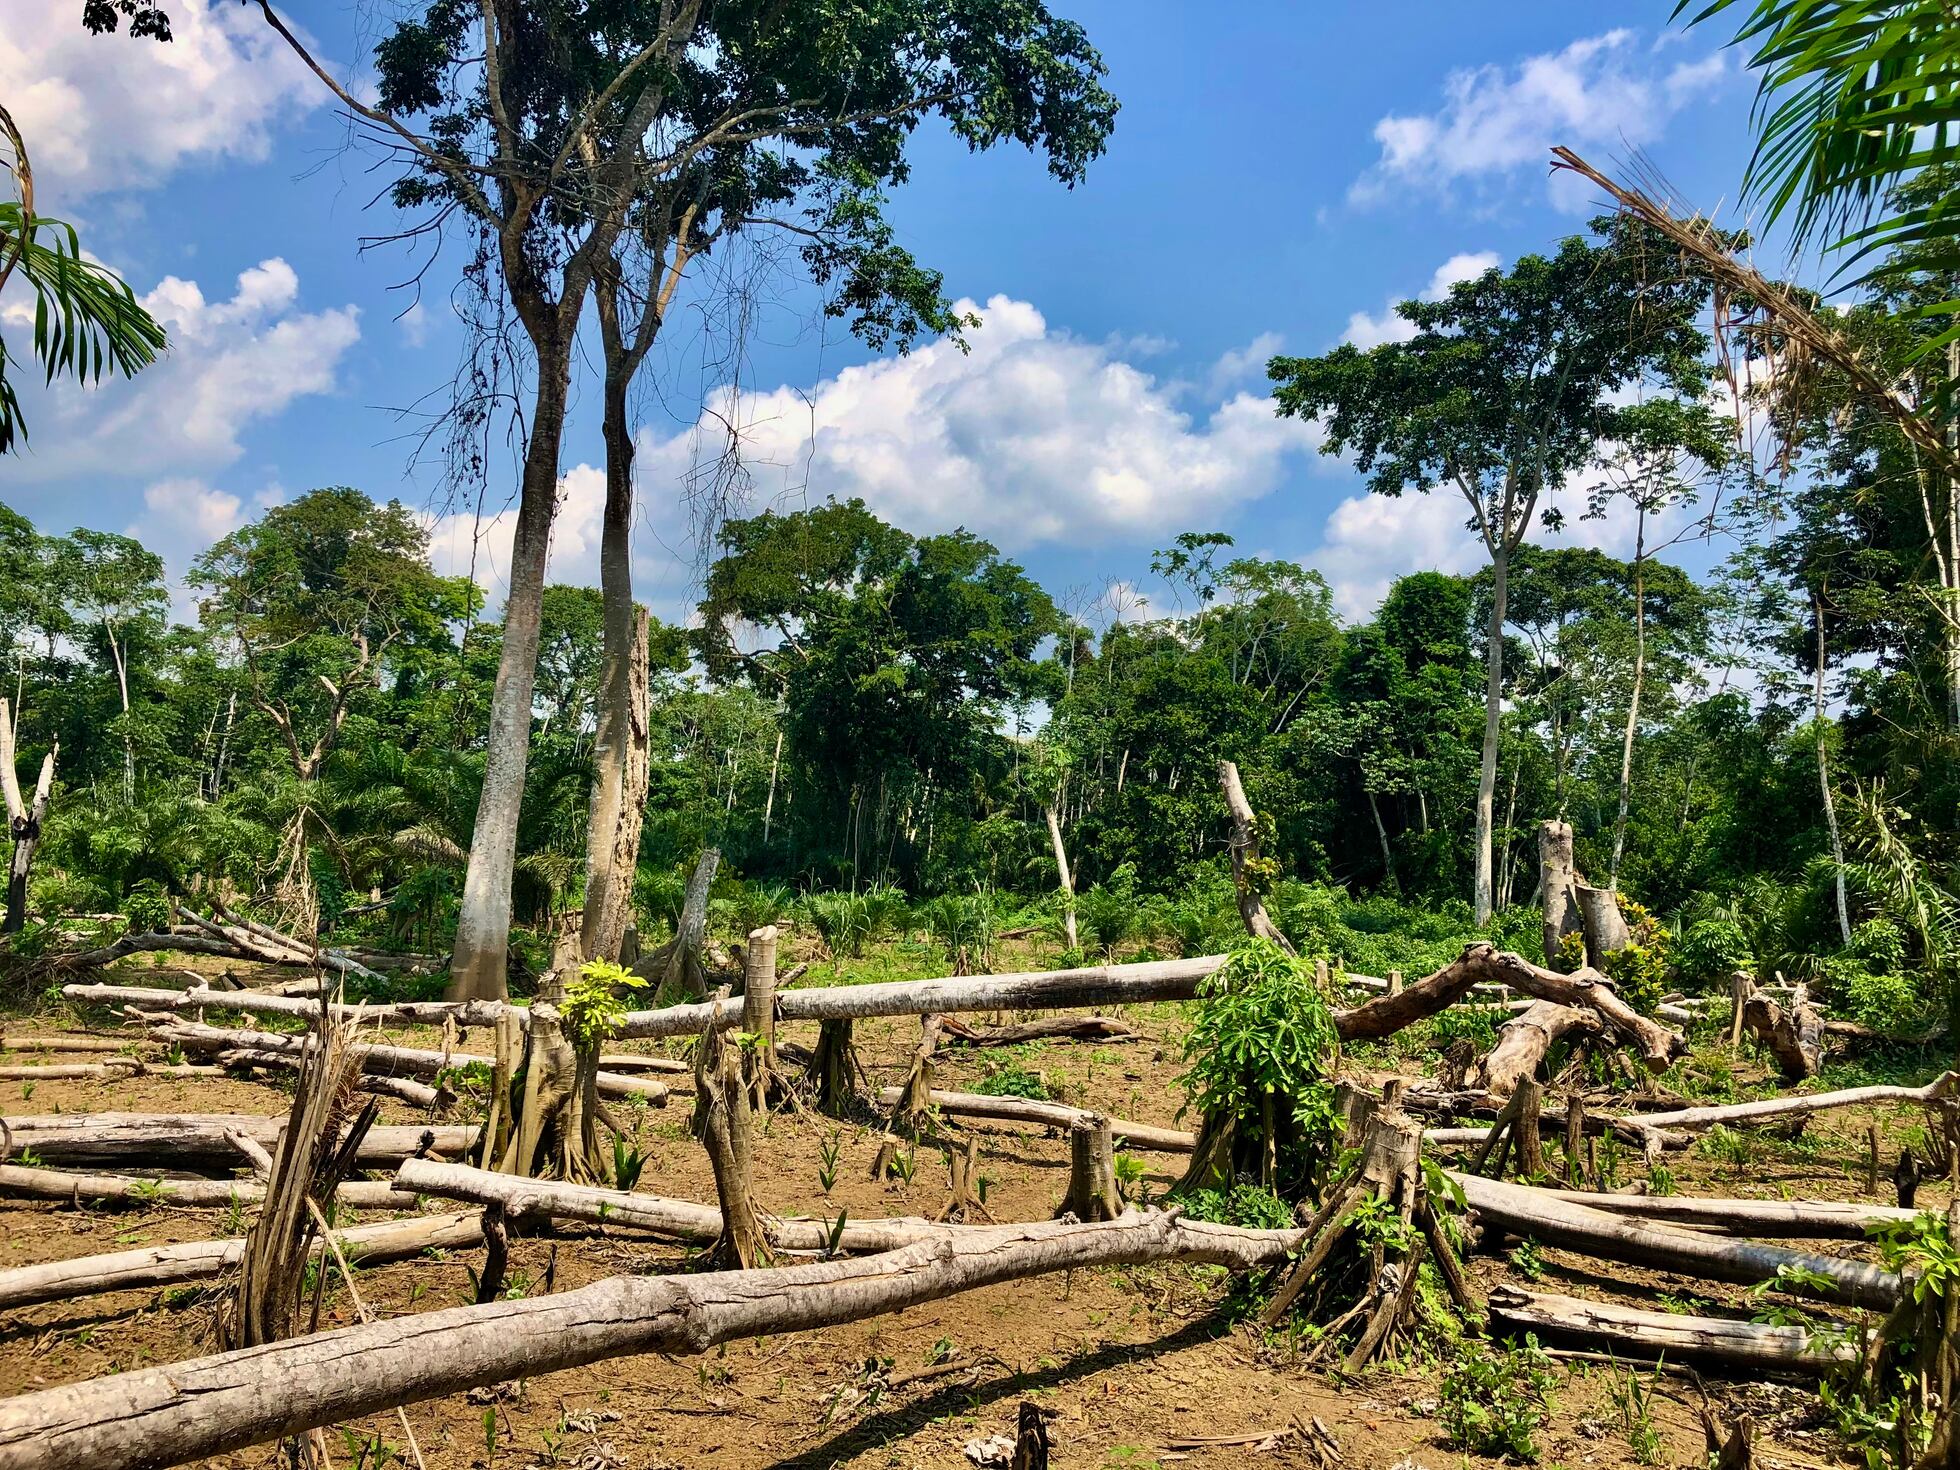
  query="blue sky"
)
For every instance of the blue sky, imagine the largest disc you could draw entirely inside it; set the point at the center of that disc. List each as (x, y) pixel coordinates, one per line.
(1279, 175)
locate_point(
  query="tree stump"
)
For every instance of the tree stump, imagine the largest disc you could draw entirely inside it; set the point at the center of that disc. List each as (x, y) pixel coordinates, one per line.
(727, 1130)
(1365, 1247)
(1092, 1191)
(914, 1099)
(1794, 1037)
(835, 1071)
(1556, 883)
(1603, 924)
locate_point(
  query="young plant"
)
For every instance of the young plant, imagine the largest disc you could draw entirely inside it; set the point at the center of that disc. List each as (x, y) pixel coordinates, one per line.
(628, 1163)
(829, 1154)
(1634, 1400)
(1494, 1400)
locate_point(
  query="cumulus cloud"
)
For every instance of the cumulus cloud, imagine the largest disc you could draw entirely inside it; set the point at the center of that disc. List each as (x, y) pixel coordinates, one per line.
(1032, 436)
(465, 544)
(1600, 91)
(104, 113)
(1366, 331)
(230, 364)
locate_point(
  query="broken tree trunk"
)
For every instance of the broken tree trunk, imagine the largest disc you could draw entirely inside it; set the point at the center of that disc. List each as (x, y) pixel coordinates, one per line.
(912, 1100)
(1605, 927)
(1544, 1216)
(1656, 1045)
(1048, 1115)
(23, 819)
(677, 965)
(1558, 884)
(1250, 872)
(1794, 1037)
(835, 1070)
(1526, 1040)
(726, 1129)
(1767, 1218)
(762, 1068)
(207, 1260)
(1748, 1347)
(180, 1412)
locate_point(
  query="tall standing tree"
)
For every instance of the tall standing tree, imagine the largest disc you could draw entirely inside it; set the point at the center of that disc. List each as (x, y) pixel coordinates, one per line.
(1503, 393)
(552, 130)
(115, 588)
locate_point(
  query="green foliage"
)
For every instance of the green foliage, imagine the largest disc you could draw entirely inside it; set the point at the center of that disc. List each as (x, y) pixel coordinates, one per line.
(1245, 1205)
(595, 1001)
(1010, 1079)
(1494, 1399)
(1709, 951)
(1110, 914)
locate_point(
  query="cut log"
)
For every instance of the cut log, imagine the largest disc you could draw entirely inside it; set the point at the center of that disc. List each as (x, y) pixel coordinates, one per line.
(380, 1058)
(1249, 872)
(84, 1071)
(1748, 1347)
(205, 1260)
(1545, 1217)
(199, 1139)
(1771, 1218)
(1525, 1041)
(1770, 1109)
(77, 1189)
(77, 1044)
(1557, 883)
(1092, 1192)
(1794, 1037)
(1050, 1115)
(179, 1412)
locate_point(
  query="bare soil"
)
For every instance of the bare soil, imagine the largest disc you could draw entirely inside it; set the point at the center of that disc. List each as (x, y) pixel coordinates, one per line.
(1134, 1364)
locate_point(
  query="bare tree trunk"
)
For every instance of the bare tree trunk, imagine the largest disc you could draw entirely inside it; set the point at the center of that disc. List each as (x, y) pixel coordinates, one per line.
(1558, 886)
(1824, 780)
(769, 802)
(602, 926)
(1247, 866)
(1381, 836)
(1066, 879)
(1633, 699)
(478, 964)
(1500, 569)
(23, 820)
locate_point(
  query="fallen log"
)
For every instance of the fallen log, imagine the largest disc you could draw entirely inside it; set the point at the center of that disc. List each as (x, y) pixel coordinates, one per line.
(673, 1219)
(81, 1071)
(1050, 1115)
(305, 1008)
(1775, 1218)
(17, 1182)
(376, 1056)
(1770, 1108)
(202, 1260)
(1542, 1215)
(187, 1411)
(185, 1139)
(76, 1044)
(1524, 1042)
(1714, 1341)
(1657, 1046)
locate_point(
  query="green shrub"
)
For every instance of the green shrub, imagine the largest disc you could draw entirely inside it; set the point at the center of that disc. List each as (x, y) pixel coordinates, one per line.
(1011, 1079)
(1711, 950)
(1494, 1400)
(1110, 914)
(1245, 1205)
(1477, 1023)
(147, 908)
(1879, 945)
(1890, 1004)
(963, 925)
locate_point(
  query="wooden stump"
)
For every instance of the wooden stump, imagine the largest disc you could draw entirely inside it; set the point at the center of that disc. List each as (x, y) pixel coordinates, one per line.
(914, 1099)
(1795, 1038)
(762, 1066)
(1515, 1136)
(835, 1071)
(1092, 1190)
(1556, 882)
(727, 1130)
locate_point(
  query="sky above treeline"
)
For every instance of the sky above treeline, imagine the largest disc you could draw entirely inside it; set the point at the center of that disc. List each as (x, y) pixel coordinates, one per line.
(1280, 175)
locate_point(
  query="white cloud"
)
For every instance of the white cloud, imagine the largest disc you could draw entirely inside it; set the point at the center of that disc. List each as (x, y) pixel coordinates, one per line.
(229, 364)
(110, 112)
(461, 543)
(1366, 331)
(1601, 91)
(414, 325)
(1241, 364)
(1033, 436)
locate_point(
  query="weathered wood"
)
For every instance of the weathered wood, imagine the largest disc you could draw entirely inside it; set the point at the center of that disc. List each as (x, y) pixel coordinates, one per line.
(1526, 1040)
(199, 1139)
(83, 1071)
(24, 819)
(1628, 1331)
(306, 1008)
(1771, 1218)
(180, 1412)
(1556, 883)
(1246, 864)
(1656, 1045)
(380, 1057)
(1544, 1216)
(78, 1189)
(76, 1044)
(1770, 1109)
(1049, 1115)
(1604, 926)
(1092, 1192)
(1794, 1037)
(205, 1260)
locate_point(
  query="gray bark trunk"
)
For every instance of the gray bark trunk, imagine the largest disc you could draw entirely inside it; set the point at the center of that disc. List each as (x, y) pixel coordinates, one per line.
(1500, 568)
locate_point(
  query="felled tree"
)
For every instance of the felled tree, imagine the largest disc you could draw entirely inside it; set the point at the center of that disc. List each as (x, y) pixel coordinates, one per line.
(1262, 1055)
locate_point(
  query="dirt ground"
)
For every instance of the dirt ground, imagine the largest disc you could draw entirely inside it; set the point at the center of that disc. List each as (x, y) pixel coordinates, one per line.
(1134, 1364)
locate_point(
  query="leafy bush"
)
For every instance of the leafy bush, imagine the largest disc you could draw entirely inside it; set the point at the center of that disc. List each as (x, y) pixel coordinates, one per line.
(963, 925)
(1477, 1023)
(1011, 1079)
(1109, 914)
(1890, 1004)
(841, 921)
(1879, 945)
(1245, 1205)
(147, 908)
(594, 1002)
(1710, 950)
(1494, 1400)
(1264, 1030)
(886, 912)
